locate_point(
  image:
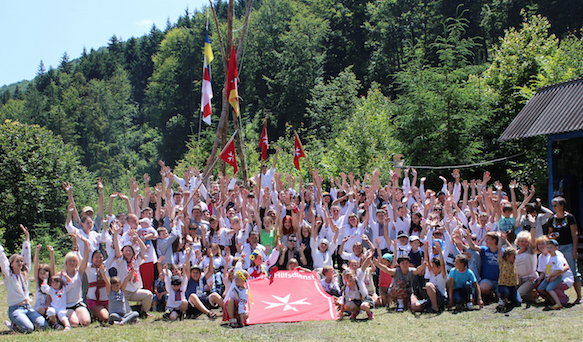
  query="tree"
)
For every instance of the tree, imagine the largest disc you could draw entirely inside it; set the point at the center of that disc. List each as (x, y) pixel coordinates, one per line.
(34, 163)
(173, 102)
(332, 103)
(440, 111)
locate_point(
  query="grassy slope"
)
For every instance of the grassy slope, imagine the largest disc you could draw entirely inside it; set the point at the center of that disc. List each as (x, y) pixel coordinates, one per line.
(521, 324)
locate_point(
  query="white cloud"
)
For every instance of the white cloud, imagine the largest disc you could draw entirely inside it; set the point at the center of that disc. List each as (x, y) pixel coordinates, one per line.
(145, 22)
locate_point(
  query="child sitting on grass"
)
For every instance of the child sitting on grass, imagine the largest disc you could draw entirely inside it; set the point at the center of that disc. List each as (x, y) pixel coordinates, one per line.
(120, 312)
(329, 281)
(237, 298)
(58, 306)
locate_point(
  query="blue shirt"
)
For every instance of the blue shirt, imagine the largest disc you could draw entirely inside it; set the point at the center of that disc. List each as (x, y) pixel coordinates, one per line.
(490, 269)
(460, 278)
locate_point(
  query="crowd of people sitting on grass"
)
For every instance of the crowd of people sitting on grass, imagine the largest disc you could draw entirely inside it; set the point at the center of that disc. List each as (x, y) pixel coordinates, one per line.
(189, 249)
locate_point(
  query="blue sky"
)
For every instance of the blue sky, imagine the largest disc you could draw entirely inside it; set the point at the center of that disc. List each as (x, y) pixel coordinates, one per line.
(33, 30)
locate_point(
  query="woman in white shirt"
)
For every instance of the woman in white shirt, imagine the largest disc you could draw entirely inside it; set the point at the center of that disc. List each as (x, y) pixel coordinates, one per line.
(15, 271)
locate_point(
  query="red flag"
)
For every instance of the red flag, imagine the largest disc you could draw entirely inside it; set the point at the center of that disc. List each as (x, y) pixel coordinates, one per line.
(230, 156)
(232, 81)
(264, 142)
(289, 296)
(298, 152)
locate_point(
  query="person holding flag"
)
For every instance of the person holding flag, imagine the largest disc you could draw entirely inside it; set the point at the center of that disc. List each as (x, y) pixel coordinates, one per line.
(207, 88)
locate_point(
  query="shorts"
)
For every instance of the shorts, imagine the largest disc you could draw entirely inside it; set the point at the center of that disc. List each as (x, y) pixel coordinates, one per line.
(384, 291)
(493, 284)
(91, 303)
(77, 306)
(367, 299)
(440, 300)
(61, 313)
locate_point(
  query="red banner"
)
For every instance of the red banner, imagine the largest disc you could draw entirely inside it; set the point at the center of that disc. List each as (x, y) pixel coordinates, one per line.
(289, 296)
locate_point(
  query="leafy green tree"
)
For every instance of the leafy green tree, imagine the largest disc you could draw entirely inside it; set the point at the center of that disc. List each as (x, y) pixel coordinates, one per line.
(173, 103)
(439, 113)
(332, 103)
(34, 163)
(366, 141)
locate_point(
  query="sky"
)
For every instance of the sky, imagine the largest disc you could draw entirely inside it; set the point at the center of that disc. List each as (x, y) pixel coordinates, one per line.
(35, 30)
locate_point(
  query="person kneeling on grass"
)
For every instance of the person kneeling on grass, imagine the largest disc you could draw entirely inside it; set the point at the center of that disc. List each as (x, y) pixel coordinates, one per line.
(58, 306)
(176, 304)
(403, 276)
(120, 312)
(354, 297)
(460, 282)
(555, 268)
(435, 286)
(237, 298)
(196, 289)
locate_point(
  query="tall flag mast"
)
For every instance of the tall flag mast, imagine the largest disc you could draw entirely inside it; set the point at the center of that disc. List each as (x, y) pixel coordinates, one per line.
(207, 88)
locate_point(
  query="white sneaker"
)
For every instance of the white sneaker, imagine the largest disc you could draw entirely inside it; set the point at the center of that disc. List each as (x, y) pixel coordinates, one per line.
(469, 306)
(9, 325)
(67, 329)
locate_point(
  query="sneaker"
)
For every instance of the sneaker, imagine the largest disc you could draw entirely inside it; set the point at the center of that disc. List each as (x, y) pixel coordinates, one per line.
(353, 316)
(400, 309)
(67, 329)
(11, 326)
(59, 327)
(557, 306)
(233, 323)
(370, 315)
(166, 315)
(469, 306)
(577, 301)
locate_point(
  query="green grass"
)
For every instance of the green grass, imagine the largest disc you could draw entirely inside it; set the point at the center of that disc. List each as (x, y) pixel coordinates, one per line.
(485, 325)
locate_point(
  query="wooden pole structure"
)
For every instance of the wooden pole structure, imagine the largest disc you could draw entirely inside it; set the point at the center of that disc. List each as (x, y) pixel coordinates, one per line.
(205, 175)
(223, 121)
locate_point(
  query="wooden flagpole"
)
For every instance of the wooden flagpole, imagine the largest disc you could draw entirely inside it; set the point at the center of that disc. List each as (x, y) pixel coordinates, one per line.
(205, 175)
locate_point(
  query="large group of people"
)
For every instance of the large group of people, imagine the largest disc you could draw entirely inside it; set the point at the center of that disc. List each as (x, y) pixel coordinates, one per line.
(188, 248)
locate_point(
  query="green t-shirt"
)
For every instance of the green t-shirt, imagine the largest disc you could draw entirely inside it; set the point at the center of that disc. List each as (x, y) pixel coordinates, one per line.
(267, 238)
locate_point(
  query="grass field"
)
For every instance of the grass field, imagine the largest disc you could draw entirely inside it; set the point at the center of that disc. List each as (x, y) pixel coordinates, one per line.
(520, 324)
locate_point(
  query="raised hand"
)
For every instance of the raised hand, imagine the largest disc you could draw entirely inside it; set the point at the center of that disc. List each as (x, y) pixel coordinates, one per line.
(25, 231)
(68, 187)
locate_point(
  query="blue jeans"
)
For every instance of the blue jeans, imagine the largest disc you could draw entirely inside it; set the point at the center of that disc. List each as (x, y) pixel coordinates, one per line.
(130, 317)
(545, 285)
(462, 295)
(510, 293)
(567, 251)
(25, 318)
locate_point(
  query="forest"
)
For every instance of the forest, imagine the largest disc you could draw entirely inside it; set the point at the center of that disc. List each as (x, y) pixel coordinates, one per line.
(361, 81)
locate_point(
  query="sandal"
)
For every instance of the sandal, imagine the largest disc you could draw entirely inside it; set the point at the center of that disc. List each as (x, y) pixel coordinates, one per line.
(211, 315)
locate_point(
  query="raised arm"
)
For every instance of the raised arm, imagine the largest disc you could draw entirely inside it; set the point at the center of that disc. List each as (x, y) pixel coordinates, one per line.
(101, 199)
(85, 260)
(105, 279)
